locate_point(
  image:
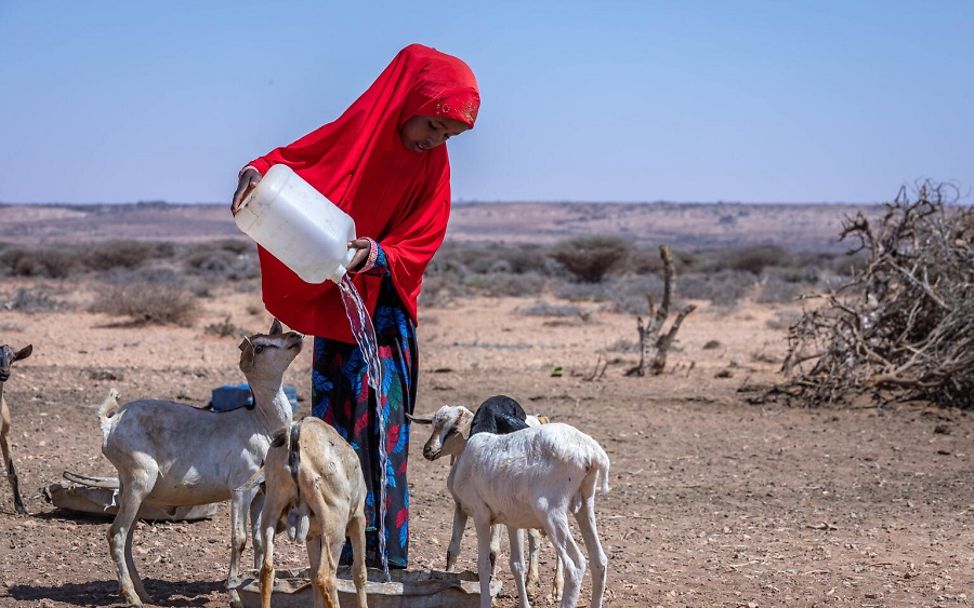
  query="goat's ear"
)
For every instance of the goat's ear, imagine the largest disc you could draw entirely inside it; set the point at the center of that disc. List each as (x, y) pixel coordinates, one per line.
(24, 352)
(245, 344)
(418, 420)
(276, 328)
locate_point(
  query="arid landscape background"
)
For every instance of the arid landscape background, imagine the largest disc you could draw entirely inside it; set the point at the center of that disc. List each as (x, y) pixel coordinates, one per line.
(715, 501)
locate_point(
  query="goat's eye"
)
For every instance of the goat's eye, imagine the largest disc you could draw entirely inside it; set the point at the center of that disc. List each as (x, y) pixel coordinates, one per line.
(259, 348)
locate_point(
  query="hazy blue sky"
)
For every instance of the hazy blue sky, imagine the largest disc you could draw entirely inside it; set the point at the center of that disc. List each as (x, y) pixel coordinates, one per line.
(632, 101)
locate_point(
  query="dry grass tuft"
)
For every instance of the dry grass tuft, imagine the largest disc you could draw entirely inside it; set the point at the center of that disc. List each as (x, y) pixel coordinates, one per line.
(148, 304)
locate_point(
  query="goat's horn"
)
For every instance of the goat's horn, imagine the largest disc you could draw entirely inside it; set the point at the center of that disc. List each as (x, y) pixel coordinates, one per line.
(418, 420)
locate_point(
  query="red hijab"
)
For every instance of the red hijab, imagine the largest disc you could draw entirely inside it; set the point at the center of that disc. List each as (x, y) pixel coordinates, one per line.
(396, 196)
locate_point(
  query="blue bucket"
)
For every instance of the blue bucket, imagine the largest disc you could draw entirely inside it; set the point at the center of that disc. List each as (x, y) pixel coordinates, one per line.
(230, 397)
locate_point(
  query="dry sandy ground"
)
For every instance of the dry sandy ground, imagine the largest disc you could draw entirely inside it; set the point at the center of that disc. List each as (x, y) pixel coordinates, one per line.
(714, 502)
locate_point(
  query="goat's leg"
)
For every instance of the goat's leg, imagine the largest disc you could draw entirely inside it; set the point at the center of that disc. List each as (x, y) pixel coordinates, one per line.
(8, 463)
(273, 506)
(331, 552)
(239, 506)
(332, 541)
(133, 489)
(356, 533)
(559, 586)
(313, 545)
(267, 569)
(534, 577)
(516, 536)
(130, 563)
(495, 545)
(459, 523)
(256, 510)
(587, 526)
(572, 561)
(483, 560)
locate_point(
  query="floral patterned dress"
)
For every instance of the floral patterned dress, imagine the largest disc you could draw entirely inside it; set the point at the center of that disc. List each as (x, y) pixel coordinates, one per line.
(341, 396)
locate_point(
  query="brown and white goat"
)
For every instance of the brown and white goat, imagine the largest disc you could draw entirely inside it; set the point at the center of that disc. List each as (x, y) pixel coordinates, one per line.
(7, 358)
(313, 478)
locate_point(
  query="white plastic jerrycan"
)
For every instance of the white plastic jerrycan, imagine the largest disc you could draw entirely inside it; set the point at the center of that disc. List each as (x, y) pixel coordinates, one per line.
(298, 225)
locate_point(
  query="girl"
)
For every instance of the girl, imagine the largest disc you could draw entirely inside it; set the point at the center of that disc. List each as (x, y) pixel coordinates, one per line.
(383, 163)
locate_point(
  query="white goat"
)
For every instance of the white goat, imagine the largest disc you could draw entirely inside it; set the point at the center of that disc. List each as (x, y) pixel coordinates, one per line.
(312, 471)
(7, 357)
(527, 479)
(175, 454)
(459, 520)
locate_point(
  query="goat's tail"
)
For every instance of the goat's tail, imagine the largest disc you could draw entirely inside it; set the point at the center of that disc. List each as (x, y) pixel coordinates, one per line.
(299, 518)
(294, 453)
(107, 411)
(596, 477)
(602, 468)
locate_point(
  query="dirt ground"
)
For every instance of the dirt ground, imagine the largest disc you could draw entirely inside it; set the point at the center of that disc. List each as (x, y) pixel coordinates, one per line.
(714, 502)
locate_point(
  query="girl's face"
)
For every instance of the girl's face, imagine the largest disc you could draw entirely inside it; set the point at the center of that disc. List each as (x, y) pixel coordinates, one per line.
(422, 133)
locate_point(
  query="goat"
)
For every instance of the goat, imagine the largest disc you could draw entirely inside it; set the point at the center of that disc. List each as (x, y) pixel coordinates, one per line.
(175, 454)
(311, 470)
(528, 479)
(7, 358)
(500, 415)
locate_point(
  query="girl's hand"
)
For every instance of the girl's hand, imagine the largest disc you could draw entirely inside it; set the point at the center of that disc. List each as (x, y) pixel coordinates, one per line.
(248, 180)
(362, 248)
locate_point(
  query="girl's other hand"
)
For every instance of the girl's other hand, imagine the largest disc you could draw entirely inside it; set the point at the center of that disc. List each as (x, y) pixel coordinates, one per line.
(248, 180)
(362, 248)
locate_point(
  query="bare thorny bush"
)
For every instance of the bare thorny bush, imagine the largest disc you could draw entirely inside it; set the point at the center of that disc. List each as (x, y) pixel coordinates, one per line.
(902, 327)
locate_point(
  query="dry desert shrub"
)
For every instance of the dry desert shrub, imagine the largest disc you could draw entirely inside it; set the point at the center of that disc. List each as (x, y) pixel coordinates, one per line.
(754, 259)
(546, 309)
(229, 259)
(590, 258)
(724, 289)
(61, 261)
(124, 254)
(31, 300)
(224, 329)
(147, 303)
(503, 284)
(50, 262)
(777, 290)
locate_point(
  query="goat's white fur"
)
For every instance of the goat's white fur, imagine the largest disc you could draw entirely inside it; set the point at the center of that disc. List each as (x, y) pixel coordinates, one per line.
(175, 454)
(328, 486)
(534, 536)
(532, 478)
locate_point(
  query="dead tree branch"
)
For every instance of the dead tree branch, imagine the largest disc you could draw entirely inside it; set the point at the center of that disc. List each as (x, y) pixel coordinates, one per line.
(651, 336)
(903, 326)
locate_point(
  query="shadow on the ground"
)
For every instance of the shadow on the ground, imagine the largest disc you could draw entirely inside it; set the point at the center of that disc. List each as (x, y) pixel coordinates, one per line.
(74, 517)
(105, 593)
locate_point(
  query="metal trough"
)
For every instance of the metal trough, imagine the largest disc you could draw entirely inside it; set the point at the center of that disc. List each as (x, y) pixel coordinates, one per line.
(408, 589)
(96, 496)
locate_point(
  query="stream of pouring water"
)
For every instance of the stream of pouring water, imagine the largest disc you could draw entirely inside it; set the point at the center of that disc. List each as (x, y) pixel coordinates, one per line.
(364, 332)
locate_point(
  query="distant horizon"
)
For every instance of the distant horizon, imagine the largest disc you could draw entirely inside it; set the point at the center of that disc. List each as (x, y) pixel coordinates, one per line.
(474, 202)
